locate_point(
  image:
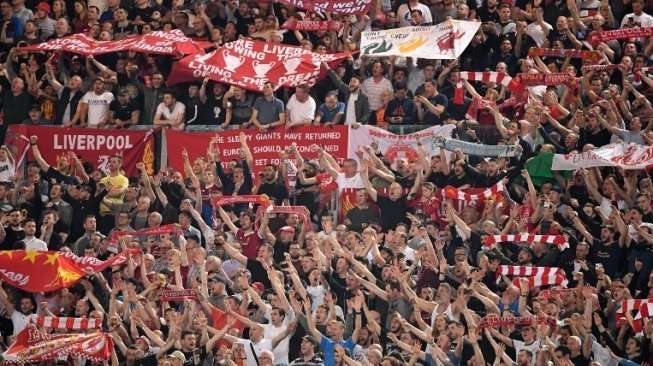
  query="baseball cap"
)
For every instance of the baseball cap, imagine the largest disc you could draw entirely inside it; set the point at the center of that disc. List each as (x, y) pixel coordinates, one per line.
(287, 229)
(145, 340)
(123, 91)
(310, 338)
(44, 6)
(259, 286)
(193, 237)
(179, 355)
(34, 107)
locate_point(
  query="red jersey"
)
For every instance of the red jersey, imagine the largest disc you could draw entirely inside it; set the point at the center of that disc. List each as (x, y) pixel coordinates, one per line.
(251, 242)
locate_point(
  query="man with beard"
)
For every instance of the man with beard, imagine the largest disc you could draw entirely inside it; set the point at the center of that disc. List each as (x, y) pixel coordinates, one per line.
(14, 231)
(213, 103)
(357, 104)
(271, 186)
(20, 319)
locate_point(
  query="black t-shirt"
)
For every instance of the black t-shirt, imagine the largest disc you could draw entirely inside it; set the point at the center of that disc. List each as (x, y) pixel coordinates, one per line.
(122, 112)
(430, 118)
(144, 13)
(275, 191)
(259, 274)
(392, 212)
(200, 352)
(11, 238)
(453, 180)
(215, 112)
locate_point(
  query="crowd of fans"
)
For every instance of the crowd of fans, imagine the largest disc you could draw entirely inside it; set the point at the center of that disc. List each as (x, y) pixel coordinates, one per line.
(402, 278)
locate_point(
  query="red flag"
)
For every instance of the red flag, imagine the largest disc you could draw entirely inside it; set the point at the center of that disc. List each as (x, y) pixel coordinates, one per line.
(334, 7)
(33, 346)
(172, 42)
(250, 64)
(49, 271)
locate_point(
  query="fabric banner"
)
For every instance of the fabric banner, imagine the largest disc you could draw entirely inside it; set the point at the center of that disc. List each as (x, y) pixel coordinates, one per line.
(179, 295)
(83, 45)
(93, 145)
(396, 146)
(312, 25)
(349, 7)
(628, 156)
(565, 52)
(33, 346)
(265, 146)
(250, 64)
(603, 36)
(444, 41)
(67, 323)
(557, 78)
(49, 271)
(494, 321)
(471, 148)
(172, 42)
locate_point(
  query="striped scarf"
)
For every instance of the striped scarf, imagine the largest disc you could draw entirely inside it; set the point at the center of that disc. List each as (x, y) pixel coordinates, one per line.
(557, 240)
(457, 194)
(67, 323)
(543, 280)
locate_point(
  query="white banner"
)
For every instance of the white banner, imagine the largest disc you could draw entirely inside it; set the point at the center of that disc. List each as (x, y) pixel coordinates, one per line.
(444, 41)
(624, 155)
(397, 146)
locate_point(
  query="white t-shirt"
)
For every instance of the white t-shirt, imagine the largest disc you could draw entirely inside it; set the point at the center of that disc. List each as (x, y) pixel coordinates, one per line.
(20, 321)
(35, 244)
(537, 33)
(317, 295)
(354, 182)
(533, 347)
(298, 111)
(282, 349)
(350, 111)
(264, 345)
(170, 114)
(98, 106)
(7, 170)
(403, 14)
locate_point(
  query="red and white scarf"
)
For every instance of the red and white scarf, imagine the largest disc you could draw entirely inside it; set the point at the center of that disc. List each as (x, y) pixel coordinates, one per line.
(557, 78)
(543, 280)
(522, 271)
(606, 67)
(557, 240)
(494, 321)
(312, 25)
(564, 52)
(177, 295)
(260, 199)
(500, 78)
(302, 211)
(457, 194)
(67, 323)
(602, 36)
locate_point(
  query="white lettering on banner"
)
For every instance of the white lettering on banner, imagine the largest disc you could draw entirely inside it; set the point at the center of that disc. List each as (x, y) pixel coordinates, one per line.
(18, 278)
(91, 142)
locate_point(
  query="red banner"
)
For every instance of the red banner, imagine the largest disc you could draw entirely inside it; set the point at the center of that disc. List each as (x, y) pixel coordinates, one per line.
(250, 64)
(264, 146)
(33, 346)
(93, 145)
(172, 42)
(259, 199)
(50, 271)
(312, 25)
(334, 7)
(495, 322)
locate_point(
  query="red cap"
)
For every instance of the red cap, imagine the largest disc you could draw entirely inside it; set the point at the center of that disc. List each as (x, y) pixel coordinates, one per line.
(258, 286)
(44, 6)
(287, 229)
